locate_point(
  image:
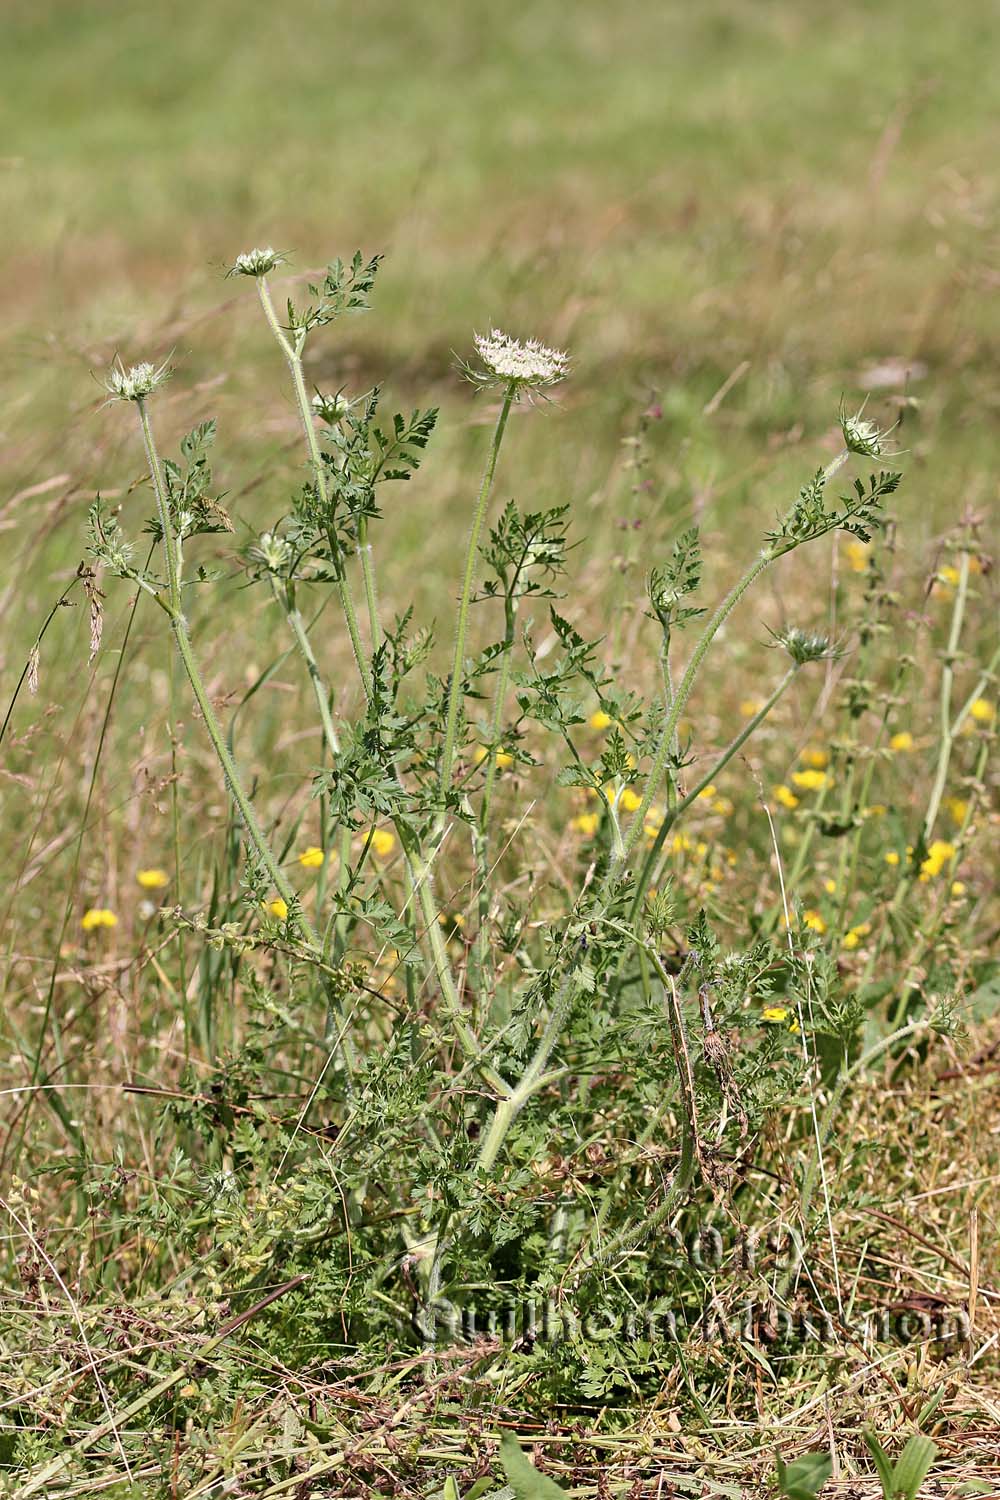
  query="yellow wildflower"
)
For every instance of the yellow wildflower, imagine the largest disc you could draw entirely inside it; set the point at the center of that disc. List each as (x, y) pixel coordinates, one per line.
(815, 757)
(680, 843)
(751, 706)
(857, 556)
(773, 1015)
(599, 720)
(152, 880)
(830, 886)
(785, 796)
(810, 781)
(877, 810)
(383, 842)
(813, 920)
(278, 908)
(958, 888)
(982, 711)
(853, 936)
(629, 801)
(958, 807)
(940, 853)
(586, 823)
(311, 858)
(504, 758)
(97, 916)
(901, 741)
(723, 806)
(891, 858)
(707, 793)
(949, 575)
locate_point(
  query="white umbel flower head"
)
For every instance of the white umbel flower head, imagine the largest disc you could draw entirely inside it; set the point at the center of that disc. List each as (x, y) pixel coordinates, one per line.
(135, 383)
(271, 552)
(526, 366)
(257, 262)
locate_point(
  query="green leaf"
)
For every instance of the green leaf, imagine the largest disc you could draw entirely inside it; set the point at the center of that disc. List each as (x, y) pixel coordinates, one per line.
(882, 1464)
(523, 1478)
(803, 1479)
(913, 1464)
(480, 1487)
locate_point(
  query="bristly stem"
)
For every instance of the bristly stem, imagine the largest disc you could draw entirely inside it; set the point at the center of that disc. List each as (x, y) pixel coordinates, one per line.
(462, 622)
(179, 626)
(293, 358)
(680, 698)
(948, 729)
(672, 816)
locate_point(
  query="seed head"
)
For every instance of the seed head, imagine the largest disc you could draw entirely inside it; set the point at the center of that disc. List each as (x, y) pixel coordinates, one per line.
(257, 262)
(525, 366)
(135, 383)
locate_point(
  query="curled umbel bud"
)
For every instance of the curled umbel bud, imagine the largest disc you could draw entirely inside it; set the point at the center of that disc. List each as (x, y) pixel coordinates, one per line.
(803, 647)
(135, 383)
(257, 262)
(331, 409)
(862, 436)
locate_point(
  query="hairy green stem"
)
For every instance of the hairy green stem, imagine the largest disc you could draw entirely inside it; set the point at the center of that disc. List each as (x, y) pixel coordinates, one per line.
(947, 681)
(293, 358)
(225, 758)
(462, 621)
(681, 696)
(368, 574)
(671, 817)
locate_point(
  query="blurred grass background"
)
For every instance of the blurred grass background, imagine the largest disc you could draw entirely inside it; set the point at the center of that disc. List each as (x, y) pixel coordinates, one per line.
(797, 199)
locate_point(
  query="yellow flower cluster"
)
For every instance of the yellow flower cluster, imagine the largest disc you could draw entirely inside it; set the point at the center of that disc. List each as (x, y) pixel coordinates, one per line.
(504, 758)
(777, 1015)
(97, 916)
(383, 843)
(586, 823)
(810, 780)
(940, 854)
(853, 935)
(312, 858)
(152, 880)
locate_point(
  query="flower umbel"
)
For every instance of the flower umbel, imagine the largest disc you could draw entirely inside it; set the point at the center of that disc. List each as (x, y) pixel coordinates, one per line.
(135, 383)
(256, 262)
(525, 366)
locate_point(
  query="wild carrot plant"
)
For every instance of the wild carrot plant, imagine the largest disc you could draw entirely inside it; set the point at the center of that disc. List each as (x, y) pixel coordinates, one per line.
(413, 753)
(467, 1058)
